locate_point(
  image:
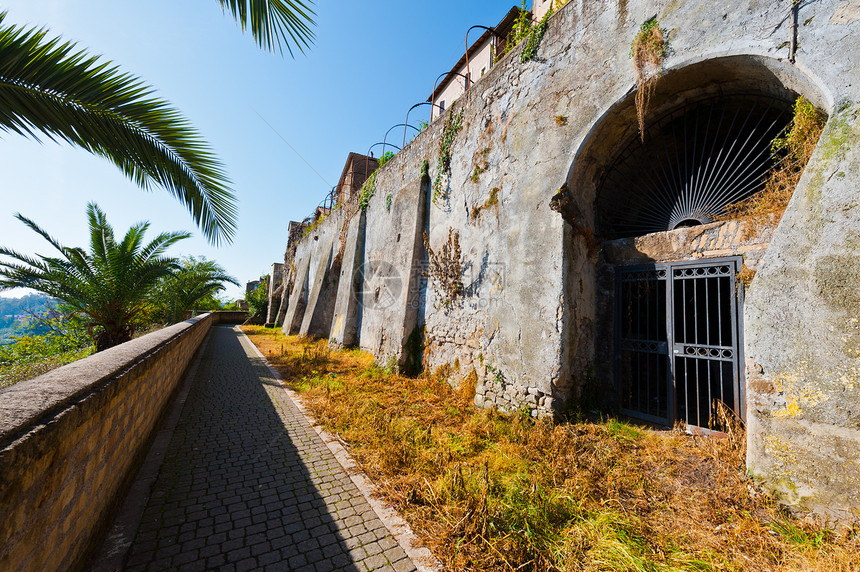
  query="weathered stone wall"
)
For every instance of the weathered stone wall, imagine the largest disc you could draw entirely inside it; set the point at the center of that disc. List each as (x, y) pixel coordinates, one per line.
(393, 254)
(345, 324)
(69, 439)
(802, 329)
(276, 285)
(528, 322)
(322, 285)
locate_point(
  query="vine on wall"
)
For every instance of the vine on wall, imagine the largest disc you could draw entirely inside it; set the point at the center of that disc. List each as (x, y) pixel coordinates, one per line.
(520, 30)
(648, 50)
(367, 191)
(535, 36)
(491, 202)
(446, 268)
(313, 225)
(453, 123)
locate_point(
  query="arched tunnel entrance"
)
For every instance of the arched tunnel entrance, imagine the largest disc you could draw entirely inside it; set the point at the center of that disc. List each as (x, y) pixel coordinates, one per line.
(678, 323)
(668, 327)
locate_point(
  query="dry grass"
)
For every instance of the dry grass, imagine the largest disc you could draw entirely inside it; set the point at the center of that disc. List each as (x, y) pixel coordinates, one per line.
(792, 150)
(489, 491)
(648, 49)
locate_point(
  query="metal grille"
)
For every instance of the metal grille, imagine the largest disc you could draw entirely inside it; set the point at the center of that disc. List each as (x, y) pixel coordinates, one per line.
(678, 340)
(694, 162)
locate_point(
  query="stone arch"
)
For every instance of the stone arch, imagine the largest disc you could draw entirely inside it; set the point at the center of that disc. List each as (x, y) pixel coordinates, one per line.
(591, 255)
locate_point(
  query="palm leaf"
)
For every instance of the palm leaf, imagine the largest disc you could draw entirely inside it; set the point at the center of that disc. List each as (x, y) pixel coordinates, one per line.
(274, 24)
(56, 90)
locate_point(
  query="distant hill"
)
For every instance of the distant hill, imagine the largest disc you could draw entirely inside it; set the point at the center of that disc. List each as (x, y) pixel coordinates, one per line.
(16, 312)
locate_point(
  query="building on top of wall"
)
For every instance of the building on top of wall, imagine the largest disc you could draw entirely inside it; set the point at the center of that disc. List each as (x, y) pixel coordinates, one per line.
(251, 286)
(482, 55)
(541, 7)
(355, 172)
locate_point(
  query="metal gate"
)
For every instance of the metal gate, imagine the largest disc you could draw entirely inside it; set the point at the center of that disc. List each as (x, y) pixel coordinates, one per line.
(678, 340)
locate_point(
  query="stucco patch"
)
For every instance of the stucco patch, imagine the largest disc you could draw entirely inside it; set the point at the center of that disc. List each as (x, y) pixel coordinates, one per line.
(846, 13)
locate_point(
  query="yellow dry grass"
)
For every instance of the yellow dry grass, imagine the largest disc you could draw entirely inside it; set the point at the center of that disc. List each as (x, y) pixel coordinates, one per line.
(792, 150)
(648, 49)
(491, 491)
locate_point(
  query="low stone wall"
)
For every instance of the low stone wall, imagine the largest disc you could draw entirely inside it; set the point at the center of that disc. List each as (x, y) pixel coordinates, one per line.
(230, 317)
(70, 439)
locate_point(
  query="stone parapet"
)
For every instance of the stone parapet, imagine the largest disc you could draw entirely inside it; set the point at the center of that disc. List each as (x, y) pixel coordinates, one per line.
(70, 439)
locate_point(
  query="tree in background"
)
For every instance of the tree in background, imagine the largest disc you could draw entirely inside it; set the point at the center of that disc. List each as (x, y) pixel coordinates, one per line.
(258, 302)
(192, 286)
(17, 314)
(109, 284)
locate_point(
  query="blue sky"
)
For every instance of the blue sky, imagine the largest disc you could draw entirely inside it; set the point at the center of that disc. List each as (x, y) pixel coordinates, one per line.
(371, 61)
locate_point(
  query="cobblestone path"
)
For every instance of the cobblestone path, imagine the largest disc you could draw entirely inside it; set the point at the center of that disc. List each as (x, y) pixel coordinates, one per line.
(247, 484)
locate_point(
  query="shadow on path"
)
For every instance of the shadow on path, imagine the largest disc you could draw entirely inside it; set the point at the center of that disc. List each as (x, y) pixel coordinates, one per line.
(247, 484)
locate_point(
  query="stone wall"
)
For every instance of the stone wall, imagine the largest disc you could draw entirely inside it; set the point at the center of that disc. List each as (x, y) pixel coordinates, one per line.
(69, 440)
(528, 321)
(802, 328)
(276, 285)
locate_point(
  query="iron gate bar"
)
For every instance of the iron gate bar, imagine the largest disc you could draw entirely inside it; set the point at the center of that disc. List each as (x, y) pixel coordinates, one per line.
(725, 268)
(649, 364)
(693, 350)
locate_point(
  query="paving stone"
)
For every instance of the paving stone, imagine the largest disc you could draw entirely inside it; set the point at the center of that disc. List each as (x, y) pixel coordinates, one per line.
(404, 565)
(247, 483)
(269, 558)
(376, 562)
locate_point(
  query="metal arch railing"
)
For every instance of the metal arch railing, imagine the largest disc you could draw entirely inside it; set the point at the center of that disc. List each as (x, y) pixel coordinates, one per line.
(468, 72)
(324, 207)
(369, 154)
(384, 144)
(436, 83)
(393, 127)
(410, 111)
(328, 202)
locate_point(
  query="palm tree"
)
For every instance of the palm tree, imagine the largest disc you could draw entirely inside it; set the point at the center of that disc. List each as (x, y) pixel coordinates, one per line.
(57, 90)
(109, 284)
(194, 280)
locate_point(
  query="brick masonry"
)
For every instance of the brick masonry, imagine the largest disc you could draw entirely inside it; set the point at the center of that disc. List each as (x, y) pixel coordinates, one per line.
(70, 438)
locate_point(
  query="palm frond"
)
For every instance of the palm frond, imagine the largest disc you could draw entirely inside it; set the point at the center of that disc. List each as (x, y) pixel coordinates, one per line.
(57, 90)
(40, 231)
(274, 24)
